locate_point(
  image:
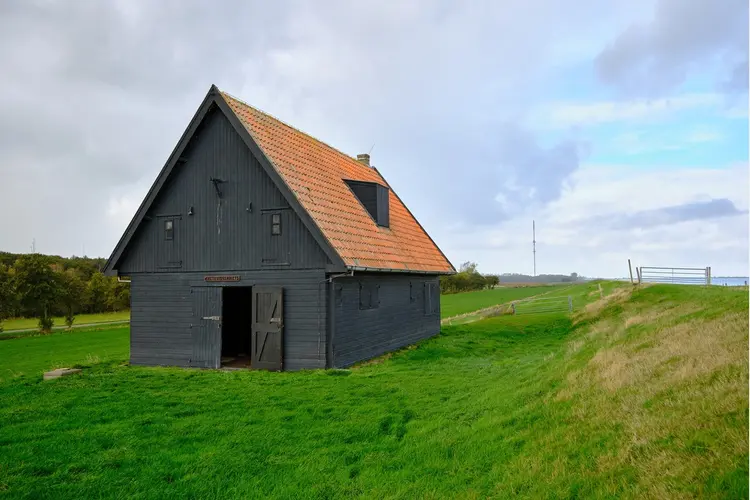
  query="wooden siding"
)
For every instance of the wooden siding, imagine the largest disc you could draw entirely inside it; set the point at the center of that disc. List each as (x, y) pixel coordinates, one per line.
(162, 314)
(399, 319)
(224, 233)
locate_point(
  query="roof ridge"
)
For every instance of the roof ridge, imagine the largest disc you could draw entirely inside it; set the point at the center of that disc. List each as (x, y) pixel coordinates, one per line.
(335, 150)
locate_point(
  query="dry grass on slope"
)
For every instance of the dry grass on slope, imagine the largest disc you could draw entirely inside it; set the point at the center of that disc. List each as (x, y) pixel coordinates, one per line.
(669, 366)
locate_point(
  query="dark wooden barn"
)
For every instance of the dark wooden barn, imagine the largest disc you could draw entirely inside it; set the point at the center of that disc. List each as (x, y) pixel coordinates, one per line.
(260, 246)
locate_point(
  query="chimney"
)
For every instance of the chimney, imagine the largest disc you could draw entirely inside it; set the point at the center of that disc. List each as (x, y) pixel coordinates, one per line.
(364, 159)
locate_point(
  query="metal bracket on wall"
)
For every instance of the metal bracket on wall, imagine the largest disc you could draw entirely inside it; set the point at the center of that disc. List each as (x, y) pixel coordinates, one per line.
(216, 182)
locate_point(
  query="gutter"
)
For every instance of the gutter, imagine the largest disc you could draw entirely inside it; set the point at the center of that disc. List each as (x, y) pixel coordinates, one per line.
(389, 270)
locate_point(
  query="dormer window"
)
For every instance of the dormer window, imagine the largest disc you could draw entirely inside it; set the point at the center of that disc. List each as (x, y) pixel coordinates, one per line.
(374, 197)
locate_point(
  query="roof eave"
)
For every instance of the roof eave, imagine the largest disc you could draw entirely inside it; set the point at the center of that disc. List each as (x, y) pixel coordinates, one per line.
(404, 271)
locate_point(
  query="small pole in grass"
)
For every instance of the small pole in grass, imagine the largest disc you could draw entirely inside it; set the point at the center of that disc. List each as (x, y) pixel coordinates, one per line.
(570, 301)
(513, 307)
(630, 268)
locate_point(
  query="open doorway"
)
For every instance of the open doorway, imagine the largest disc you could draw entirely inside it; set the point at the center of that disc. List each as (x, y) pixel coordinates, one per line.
(236, 326)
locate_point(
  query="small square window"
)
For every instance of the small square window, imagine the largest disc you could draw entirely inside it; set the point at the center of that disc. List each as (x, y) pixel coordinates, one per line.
(168, 229)
(275, 224)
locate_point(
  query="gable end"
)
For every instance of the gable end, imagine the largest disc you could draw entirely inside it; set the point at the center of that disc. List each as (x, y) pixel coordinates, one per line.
(214, 100)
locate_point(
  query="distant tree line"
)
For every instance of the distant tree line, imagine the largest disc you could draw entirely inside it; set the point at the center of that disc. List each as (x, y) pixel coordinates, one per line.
(44, 286)
(467, 279)
(539, 278)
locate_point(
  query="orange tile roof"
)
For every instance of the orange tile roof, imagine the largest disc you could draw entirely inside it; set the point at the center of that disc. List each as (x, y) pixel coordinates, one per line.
(315, 173)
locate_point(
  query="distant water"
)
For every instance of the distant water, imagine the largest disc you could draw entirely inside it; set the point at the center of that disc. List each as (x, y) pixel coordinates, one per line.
(733, 281)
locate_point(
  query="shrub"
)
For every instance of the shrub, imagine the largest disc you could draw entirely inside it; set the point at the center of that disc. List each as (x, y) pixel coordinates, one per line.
(45, 324)
(69, 319)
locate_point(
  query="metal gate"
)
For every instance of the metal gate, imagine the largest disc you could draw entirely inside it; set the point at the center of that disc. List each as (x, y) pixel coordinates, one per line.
(267, 339)
(543, 305)
(206, 327)
(674, 275)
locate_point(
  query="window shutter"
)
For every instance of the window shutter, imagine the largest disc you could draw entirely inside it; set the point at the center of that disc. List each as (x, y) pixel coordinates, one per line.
(431, 298)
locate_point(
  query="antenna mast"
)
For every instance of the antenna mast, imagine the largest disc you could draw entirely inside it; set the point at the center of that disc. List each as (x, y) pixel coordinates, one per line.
(533, 242)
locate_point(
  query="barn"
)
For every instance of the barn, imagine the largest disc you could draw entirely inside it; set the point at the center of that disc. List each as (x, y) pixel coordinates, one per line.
(262, 247)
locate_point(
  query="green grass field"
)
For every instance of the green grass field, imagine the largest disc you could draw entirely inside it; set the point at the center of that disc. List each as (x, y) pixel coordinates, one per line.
(636, 396)
(466, 302)
(33, 355)
(81, 319)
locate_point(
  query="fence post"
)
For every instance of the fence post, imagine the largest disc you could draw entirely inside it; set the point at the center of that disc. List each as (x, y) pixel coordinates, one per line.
(630, 268)
(570, 303)
(638, 272)
(708, 275)
(513, 307)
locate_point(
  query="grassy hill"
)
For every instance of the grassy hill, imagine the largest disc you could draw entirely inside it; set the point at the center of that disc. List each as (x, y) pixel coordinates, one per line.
(640, 395)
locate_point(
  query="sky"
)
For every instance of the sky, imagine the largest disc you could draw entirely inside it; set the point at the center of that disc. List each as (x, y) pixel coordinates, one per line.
(619, 127)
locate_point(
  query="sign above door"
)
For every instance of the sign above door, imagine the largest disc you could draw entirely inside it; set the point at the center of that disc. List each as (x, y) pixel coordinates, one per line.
(226, 277)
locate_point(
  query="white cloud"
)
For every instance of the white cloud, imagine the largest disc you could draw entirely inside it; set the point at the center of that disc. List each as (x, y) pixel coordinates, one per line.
(605, 189)
(736, 113)
(121, 208)
(571, 236)
(638, 141)
(570, 114)
(704, 135)
(438, 87)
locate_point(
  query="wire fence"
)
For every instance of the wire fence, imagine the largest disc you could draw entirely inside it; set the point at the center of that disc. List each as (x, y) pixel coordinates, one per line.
(543, 305)
(674, 275)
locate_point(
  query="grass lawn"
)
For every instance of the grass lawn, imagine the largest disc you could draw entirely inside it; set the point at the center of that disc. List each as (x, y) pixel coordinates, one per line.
(33, 355)
(81, 319)
(641, 395)
(459, 303)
